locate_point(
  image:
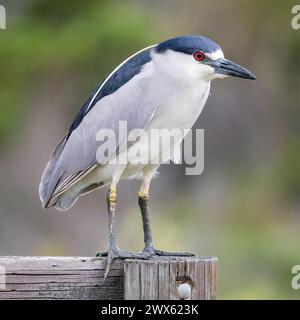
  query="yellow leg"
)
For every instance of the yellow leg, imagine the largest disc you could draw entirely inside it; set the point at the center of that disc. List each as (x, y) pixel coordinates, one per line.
(144, 191)
(112, 196)
(112, 250)
(144, 188)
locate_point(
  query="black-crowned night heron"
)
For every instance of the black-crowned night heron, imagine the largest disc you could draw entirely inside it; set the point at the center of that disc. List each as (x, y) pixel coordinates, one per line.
(162, 86)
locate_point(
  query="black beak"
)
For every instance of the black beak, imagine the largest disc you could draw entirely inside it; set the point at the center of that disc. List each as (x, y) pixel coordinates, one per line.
(229, 68)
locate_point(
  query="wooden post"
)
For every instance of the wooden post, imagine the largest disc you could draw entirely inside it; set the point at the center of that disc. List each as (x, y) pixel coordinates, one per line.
(170, 279)
(83, 278)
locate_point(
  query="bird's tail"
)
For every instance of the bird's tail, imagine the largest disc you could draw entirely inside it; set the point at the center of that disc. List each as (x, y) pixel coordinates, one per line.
(51, 175)
(67, 199)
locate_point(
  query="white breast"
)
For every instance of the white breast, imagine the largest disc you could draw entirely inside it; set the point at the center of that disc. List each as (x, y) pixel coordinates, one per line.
(178, 111)
(173, 84)
(176, 84)
(182, 108)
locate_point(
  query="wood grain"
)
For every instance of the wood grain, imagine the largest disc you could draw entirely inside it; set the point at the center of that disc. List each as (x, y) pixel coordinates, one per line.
(83, 278)
(159, 279)
(61, 278)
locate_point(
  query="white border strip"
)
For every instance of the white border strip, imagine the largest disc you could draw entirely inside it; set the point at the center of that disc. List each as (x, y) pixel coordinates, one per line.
(117, 68)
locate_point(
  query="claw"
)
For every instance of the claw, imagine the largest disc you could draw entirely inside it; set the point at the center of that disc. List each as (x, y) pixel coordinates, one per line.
(112, 254)
(147, 253)
(110, 258)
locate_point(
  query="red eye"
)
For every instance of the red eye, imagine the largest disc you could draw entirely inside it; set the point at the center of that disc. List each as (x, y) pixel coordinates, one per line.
(199, 55)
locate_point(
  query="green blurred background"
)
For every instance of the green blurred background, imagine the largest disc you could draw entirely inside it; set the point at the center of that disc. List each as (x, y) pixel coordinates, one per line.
(244, 208)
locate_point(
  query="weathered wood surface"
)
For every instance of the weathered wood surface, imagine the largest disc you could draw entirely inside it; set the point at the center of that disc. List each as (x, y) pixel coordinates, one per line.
(171, 279)
(61, 278)
(83, 278)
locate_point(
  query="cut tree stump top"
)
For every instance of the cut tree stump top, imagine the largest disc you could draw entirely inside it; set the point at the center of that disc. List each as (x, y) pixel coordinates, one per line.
(169, 278)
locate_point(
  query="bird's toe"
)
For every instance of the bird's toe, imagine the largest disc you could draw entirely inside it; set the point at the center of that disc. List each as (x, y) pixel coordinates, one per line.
(116, 253)
(102, 254)
(152, 252)
(175, 254)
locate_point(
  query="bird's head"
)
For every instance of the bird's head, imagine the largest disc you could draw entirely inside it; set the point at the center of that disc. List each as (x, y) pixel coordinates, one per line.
(198, 57)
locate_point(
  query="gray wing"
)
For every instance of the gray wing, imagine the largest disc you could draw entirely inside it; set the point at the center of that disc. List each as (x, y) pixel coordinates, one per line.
(75, 155)
(120, 97)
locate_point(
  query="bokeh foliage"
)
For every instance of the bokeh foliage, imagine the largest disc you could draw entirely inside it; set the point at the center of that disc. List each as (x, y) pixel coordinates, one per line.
(243, 209)
(75, 36)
